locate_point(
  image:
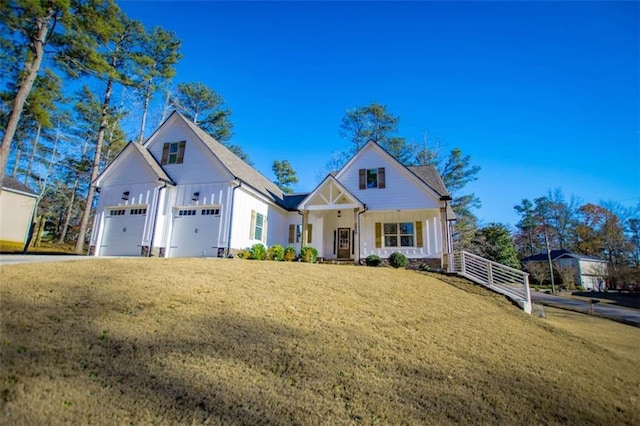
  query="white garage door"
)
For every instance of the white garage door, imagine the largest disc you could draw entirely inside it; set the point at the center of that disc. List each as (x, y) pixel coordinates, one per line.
(123, 230)
(195, 232)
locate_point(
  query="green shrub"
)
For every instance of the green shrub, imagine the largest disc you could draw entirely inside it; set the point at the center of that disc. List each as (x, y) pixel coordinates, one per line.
(275, 252)
(258, 252)
(373, 260)
(308, 254)
(398, 260)
(244, 254)
(289, 254)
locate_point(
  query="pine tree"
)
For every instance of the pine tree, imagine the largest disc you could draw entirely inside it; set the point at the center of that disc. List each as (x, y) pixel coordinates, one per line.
(285, 175)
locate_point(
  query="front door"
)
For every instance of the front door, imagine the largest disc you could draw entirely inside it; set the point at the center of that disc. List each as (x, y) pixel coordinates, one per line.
(344, 243)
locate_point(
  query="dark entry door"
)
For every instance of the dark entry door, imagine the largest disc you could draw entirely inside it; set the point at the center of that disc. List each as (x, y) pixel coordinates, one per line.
(344, 243)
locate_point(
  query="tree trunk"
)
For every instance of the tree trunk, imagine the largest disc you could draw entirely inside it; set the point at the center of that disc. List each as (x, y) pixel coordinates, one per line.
(95, 169)
(145, 107)
(31, 68)
(67, 219)
(14, 172)
(33, 155)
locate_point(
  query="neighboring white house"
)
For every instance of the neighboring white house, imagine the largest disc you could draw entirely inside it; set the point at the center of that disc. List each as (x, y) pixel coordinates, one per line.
(17, 202)
(183, 194)
(589, 271)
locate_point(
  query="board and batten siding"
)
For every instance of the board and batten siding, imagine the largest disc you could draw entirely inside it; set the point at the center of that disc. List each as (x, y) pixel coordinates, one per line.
(431, 233)
(199, 164)
(181, 197)
(244, 204)
(401, 191)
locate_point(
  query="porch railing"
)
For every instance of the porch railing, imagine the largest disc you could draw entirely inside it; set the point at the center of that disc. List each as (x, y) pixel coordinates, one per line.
(502, 279)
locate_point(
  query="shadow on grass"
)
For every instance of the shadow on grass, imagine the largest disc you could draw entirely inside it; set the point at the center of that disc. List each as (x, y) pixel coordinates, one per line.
(172, 366)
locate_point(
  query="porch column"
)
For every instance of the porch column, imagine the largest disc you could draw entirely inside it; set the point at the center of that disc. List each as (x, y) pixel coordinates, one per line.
(305, 230)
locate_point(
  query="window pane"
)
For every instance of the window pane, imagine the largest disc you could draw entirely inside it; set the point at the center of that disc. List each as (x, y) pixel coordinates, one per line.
(259, 219)
(406, 228)
(391, 241)
(406, 241)
(372, 178)
(390, 228)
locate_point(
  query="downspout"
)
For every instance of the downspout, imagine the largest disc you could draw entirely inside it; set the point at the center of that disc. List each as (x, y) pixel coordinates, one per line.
(233, 193)
(155, 220)
(360, 233)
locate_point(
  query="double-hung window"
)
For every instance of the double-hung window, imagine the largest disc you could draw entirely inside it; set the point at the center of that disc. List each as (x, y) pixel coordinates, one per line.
(398, 234)
(258, 229)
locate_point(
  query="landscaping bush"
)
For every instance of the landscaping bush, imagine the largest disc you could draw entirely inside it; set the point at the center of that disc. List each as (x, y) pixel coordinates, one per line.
(308, 254)
(275, 252)
(398, 260)
(289, 254)
(244, 254)
(258, 252)
(373, 260)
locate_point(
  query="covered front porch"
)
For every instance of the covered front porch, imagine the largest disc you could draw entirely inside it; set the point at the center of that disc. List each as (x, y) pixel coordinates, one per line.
(330, 221)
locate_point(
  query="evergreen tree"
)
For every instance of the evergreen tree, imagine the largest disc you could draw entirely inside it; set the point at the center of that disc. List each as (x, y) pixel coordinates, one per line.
(285, 175)
(494, 242)
(205, 108)
(161, 54)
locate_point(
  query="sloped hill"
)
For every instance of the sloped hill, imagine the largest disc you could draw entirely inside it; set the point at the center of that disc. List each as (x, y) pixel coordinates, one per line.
(245, 342)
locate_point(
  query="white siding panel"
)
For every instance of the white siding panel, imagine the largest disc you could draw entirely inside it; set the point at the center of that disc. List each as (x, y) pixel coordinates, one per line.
(131, 169)
(244, 203)
(431, 233)
(401, 192)
(199, 164)
(15, 216)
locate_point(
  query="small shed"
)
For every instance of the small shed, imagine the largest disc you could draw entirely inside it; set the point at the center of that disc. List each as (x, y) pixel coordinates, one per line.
(17, 204)
(589, 270)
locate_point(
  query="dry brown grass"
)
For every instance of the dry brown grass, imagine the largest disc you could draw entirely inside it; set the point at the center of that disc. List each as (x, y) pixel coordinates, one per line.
(168, 341)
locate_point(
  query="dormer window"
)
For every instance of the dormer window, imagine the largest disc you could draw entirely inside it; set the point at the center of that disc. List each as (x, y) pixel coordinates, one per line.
(173, 153)
(372, 178)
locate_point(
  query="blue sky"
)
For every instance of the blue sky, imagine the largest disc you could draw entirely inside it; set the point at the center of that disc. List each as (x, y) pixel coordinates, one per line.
(539, 94)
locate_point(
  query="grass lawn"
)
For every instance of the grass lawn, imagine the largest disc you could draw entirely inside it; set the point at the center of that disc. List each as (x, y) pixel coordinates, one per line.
(167, 341)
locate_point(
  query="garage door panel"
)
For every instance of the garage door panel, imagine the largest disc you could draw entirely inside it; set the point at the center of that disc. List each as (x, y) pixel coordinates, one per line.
(195, 233)
(123, 234)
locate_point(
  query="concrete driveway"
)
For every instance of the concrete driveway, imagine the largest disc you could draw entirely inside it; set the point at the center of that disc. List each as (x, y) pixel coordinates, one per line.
(13, 259)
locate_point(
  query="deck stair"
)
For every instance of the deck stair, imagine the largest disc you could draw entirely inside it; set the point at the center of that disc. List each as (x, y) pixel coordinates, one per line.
(499, 278)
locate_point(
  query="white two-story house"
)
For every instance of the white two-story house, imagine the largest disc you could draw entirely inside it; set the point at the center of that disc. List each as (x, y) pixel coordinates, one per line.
(183, 194)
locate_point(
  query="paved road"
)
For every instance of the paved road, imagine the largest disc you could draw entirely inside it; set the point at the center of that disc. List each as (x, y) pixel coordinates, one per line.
(12, 259)
(618, 313)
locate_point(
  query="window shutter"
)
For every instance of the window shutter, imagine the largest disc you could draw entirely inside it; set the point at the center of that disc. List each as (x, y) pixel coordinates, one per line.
(381, 181)
(335, 241)
(292, 234)
(181, 152)
(363, 178)
(309, 231)
(419, 242)
(252, 230)
(378, 235)
(165, 154)
(265, 225)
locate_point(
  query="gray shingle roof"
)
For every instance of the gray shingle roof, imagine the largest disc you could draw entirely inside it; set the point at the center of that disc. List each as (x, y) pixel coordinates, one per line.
(238, 167)
(430, 176)
(558, 254)
(14, 184)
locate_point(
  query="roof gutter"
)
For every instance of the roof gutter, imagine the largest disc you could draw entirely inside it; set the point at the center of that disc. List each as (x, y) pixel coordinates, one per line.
(360, 232)
(155, 217)
(233, 193)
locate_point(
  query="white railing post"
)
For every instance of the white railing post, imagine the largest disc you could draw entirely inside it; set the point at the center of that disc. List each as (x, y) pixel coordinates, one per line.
(527, 292)
(489, 273)
(463, 266)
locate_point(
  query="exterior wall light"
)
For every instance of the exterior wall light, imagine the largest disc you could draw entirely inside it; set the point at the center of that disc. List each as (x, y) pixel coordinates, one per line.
(125, 195)
(196, 196)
